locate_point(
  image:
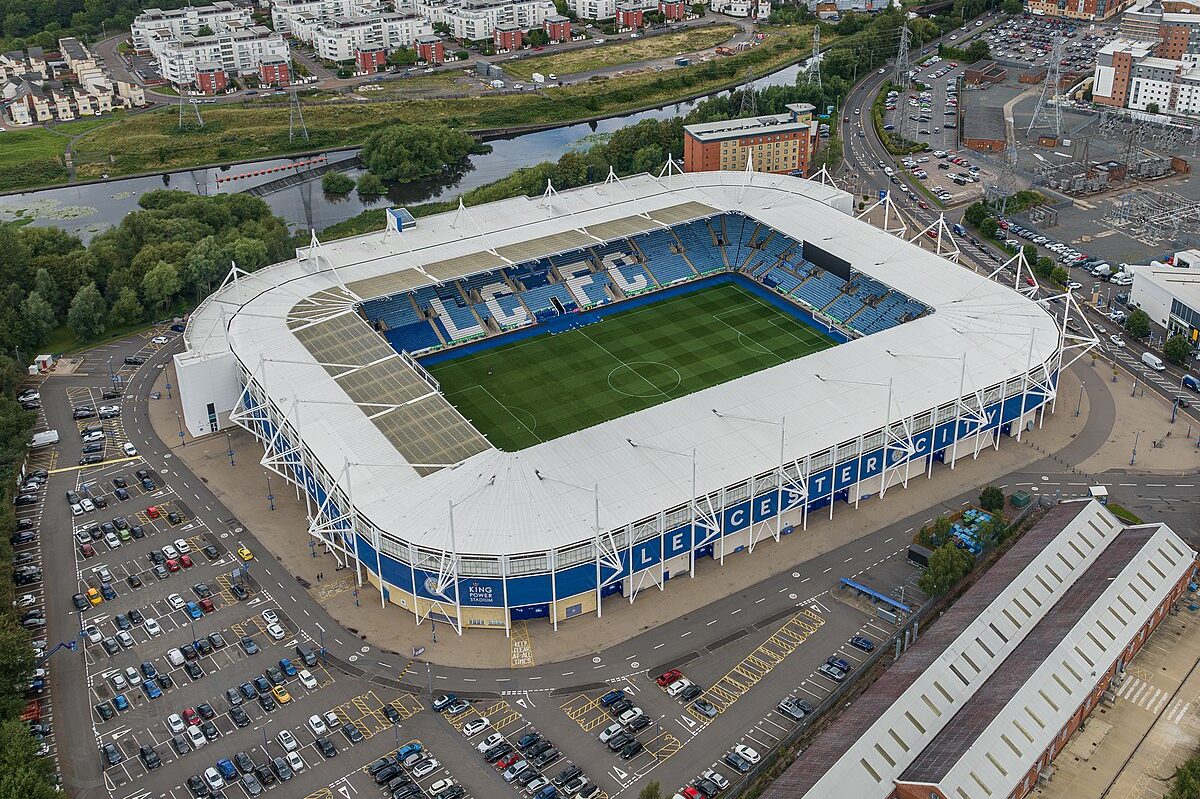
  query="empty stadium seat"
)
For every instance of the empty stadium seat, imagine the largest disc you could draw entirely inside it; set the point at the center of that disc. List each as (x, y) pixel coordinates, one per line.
(414, 337)
(459, 321)
(539, 299)
(666, 266)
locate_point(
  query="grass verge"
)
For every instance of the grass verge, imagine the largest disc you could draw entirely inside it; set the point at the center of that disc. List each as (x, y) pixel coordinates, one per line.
(586, 59)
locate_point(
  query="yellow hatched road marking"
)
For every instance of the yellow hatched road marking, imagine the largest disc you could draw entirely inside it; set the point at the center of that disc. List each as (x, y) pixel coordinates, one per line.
(762, 659)
(320, 793)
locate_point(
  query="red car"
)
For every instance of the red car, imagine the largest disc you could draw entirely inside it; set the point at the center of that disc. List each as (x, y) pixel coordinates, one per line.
(152, 512)
(191, 717)
(172, 565)
(690, 792)
(505, 762)
(668, 677)
(185, 561)
(207, 605)
(931, 234)
(87, 550)
(922, 204)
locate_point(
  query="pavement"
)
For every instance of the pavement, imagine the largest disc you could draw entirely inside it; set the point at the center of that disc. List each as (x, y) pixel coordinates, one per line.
(1130, 746)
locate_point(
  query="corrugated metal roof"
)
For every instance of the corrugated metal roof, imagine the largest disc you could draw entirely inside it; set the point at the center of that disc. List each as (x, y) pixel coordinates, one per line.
(858, 755)
(1037, 689)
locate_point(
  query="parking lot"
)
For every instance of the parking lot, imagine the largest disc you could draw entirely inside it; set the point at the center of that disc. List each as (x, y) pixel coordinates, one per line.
(1027, 41)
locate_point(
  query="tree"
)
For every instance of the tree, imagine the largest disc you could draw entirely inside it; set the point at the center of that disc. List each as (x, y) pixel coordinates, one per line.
(369, 185)
(38, 318)
(45, 284)
(699, 9)
(648, 158)
(652, 791)
(1152, 108)
(947, 565)
(1137, 324)
(976, 213)
(1060, 276)
(127, 309)
(337, 183)
(537, 37)
(1177, 349)
(402, 56)
(1012, 7)
(86, 314)
(989, 226)
(991, 499)
(161, 285)
(204, 31)
(414, 152)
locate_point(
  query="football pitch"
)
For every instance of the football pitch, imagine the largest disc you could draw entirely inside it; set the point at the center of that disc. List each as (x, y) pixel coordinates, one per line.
(546, 386)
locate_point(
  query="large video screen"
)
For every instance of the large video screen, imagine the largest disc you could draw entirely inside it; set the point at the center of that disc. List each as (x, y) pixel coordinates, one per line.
(826, 260)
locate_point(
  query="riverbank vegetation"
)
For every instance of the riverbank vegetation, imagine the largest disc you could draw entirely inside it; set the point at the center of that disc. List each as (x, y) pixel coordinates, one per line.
(170, 254)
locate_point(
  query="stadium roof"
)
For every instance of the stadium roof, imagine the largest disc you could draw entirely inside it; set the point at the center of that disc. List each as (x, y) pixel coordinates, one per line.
(986, 688)
(282, 323)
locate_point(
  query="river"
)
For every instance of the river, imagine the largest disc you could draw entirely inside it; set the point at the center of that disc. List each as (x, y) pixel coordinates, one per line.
(85, 211)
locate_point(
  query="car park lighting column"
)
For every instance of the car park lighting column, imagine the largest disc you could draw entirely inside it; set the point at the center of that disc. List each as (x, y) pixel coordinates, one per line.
(553, 562)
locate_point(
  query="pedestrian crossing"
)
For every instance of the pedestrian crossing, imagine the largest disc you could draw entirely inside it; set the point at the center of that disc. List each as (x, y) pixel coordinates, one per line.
(1143, 694)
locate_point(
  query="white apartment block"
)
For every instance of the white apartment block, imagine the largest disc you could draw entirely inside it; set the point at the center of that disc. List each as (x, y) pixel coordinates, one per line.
(238, 51)
(1129, 75)
(476, 20)
(340, 38)
(593, 9)
(154, 22)
(299, 18)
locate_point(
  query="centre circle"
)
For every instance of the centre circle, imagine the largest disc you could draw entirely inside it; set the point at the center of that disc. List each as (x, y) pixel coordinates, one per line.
(644, 379)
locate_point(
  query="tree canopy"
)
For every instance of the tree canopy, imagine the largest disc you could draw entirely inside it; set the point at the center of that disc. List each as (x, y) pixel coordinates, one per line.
(1177, 349)
(947, 565)
(1137, 324)
(49, 279)
(413, 152)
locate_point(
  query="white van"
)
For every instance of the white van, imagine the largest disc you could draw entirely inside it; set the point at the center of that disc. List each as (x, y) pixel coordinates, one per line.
(1153, 361)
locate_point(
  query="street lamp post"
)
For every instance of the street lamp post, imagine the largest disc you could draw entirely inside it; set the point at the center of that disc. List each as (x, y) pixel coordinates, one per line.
(1079, 402)
(168, 389)
(229, 445)
(270, 496)
(179, 422)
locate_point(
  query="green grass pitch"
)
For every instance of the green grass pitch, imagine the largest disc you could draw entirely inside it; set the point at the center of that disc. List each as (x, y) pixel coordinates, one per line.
(547, 386)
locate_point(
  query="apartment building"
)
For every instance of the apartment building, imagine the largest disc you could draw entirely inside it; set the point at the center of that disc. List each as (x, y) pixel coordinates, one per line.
(1083, 10)
(344, 38)
(779, 143)
(238, 51)
(1135, 75)
(477, 20)
(156, 23)
(299, 18)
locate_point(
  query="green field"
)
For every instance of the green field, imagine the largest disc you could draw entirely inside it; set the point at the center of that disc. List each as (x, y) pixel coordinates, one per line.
(543, 387)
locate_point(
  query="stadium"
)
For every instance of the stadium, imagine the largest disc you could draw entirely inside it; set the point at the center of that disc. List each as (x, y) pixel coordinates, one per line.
(516, 410)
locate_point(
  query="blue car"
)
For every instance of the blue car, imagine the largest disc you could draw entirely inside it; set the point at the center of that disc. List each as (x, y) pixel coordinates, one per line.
(612, 697)
(193, 610)
(287, 667)
(227, 769)
(407, 750)
(120, 702)
(107, 592)
(148, 484)
(863, 643)
(150, 686)
(148, 669)
(549, 792)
